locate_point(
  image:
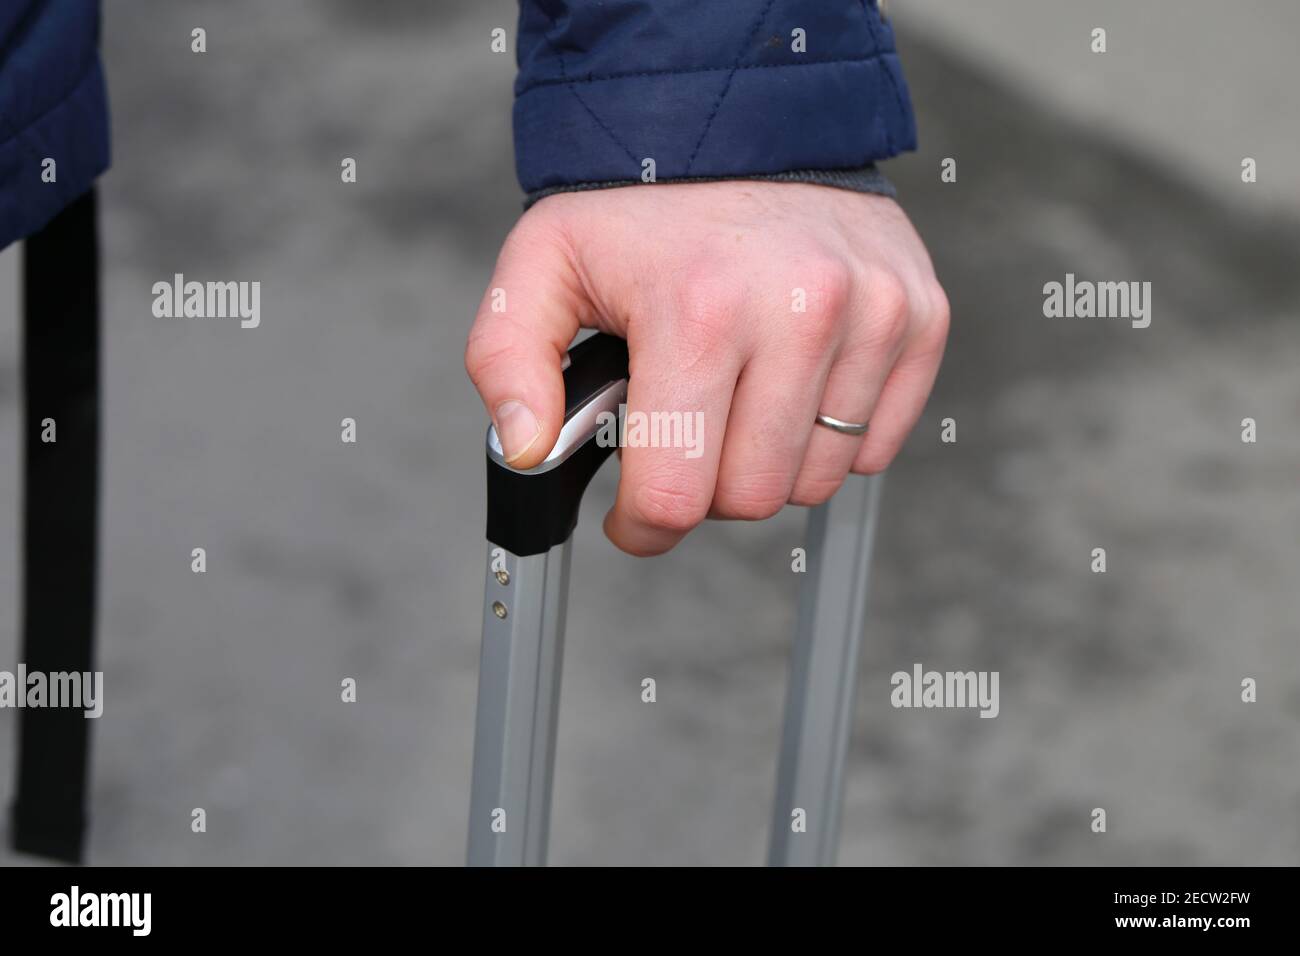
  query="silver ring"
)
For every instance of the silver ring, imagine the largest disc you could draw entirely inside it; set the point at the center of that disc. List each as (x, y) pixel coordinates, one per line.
(844, 428)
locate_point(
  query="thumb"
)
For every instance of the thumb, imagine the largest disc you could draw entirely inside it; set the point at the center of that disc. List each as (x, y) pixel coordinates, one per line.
(527, 319)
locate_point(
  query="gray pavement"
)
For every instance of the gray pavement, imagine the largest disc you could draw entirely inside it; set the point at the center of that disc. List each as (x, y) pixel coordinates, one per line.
(329, 561)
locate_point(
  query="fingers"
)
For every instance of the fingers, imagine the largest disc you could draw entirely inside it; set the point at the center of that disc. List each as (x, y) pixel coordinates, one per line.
(852, 389)
(882, 377)
(908, 387)
(684, 369)
(728, 372)
(776, 401)
(529, 314)
(767, 435)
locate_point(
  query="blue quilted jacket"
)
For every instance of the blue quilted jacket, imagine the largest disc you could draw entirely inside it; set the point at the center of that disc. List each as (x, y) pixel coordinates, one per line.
(705, 88)
(52, 106)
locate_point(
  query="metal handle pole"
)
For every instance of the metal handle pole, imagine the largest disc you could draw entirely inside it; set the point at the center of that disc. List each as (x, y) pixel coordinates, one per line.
(518, 707)
(823, 669)
(530, 521)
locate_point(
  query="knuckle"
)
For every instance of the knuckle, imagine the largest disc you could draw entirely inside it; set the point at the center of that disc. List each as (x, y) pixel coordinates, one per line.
(484, 351)
(930, 336)
(874, 460)
(941, 308)
(705, 319)
(669, 501)
(829, 284)
(707, 304)
(940, 318)
(753, 497)
(832, 284)
(890, 307)
(811, 490)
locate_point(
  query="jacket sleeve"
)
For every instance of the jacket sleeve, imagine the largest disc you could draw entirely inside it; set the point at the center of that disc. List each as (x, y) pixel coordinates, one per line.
(705, 89)
(53, 106)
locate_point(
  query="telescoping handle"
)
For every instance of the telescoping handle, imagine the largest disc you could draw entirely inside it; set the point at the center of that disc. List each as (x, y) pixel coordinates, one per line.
(531, 517)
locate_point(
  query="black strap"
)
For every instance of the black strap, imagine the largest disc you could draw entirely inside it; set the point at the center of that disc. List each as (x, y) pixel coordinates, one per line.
(61, 482)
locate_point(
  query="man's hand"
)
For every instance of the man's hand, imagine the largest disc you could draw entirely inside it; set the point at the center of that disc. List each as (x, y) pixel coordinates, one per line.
(706, 282)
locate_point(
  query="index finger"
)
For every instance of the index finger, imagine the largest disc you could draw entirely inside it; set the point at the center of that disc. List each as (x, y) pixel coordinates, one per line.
(683, 375)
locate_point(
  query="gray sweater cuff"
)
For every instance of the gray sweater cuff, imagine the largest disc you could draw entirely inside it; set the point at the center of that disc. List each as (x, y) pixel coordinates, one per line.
(862, 179)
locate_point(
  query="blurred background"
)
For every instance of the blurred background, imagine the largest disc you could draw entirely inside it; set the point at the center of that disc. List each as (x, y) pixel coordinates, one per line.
(326, 560)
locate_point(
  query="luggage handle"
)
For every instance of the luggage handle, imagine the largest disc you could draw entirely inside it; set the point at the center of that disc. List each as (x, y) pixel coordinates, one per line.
(531, 517)
(533, 510)
(530, 521)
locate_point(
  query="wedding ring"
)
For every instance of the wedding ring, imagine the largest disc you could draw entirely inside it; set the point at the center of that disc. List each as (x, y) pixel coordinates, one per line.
(845, 428)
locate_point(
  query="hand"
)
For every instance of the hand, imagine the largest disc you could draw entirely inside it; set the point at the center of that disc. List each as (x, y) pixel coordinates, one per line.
(705, 281)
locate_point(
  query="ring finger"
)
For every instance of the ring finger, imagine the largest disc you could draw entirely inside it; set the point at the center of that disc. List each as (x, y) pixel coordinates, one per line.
(852, 389)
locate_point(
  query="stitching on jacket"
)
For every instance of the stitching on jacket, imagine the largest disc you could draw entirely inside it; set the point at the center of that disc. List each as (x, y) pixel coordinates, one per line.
(726, 87)
(873, 21)
(898, 99)
(599, 122)
(603, 77)
(581, 102)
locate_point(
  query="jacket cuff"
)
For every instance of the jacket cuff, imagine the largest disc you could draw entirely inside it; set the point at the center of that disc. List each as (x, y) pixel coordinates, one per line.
(863, 179)
(769, 118)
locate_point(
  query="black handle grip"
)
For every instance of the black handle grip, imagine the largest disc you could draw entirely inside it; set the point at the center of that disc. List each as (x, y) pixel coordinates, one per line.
(531, 511)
